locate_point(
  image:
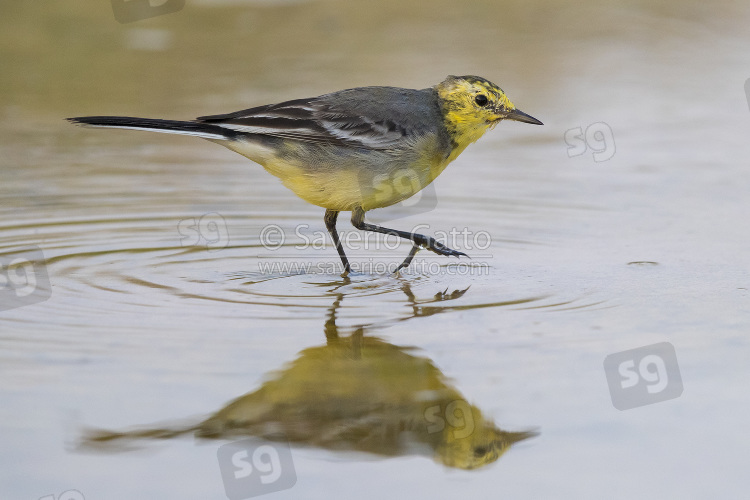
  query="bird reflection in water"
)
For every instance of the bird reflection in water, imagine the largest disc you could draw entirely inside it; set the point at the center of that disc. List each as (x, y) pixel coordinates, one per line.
(355, 393)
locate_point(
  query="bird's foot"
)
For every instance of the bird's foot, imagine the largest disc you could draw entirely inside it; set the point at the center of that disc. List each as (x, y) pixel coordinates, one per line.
(435, 246)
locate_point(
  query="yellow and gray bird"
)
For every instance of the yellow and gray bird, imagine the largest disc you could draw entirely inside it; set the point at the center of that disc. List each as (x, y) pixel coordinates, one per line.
(341, 151)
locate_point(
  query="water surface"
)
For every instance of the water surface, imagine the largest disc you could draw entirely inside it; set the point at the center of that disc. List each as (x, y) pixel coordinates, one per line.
(619, 224)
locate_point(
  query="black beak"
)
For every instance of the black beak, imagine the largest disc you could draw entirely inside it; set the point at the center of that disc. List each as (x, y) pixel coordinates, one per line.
(520, 116)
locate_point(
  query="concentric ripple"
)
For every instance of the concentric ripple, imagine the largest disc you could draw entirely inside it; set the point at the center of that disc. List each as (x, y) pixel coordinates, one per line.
(100, 267)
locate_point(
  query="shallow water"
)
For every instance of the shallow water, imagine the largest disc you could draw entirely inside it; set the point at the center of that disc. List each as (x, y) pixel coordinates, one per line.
(173, 277)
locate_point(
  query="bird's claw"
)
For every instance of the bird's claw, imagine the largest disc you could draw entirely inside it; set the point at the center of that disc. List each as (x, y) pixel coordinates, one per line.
(440, 249)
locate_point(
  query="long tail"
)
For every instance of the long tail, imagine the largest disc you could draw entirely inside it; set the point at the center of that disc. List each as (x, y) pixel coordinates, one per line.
(205, 130)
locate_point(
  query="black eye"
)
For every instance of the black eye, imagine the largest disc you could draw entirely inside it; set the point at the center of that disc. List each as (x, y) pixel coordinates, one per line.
(481, 99)
(480, 451)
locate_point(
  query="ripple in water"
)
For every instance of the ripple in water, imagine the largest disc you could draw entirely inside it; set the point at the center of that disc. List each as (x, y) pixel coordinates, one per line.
(105, 266)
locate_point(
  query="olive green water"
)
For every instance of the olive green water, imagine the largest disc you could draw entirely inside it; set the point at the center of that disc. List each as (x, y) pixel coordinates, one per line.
(193, 301)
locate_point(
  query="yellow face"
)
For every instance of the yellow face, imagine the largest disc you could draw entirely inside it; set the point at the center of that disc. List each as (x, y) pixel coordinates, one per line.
(471, 105)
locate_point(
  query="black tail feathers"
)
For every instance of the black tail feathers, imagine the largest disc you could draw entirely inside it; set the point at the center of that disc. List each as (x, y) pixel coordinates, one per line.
(205, 130)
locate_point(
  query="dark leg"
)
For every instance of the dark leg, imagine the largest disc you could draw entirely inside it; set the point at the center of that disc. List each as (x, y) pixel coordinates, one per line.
(419, 240)
(330, 220)
(409, 258)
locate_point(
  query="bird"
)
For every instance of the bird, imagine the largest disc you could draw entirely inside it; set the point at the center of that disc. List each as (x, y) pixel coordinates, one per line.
(342, 151)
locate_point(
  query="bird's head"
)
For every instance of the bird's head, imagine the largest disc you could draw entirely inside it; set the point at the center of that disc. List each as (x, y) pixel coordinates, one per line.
(471, 105)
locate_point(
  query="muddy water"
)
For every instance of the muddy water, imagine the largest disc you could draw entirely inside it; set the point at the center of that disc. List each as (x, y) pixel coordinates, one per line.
(169, 303)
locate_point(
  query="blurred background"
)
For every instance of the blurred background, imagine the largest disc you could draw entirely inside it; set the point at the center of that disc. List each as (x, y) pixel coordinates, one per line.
(621, 223)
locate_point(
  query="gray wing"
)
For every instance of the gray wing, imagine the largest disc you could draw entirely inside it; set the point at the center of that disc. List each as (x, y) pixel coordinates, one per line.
(368, 117)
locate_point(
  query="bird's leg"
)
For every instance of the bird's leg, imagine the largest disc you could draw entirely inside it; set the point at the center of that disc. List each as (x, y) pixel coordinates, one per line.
(419, 240)
(414, 249)
(330, 220)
